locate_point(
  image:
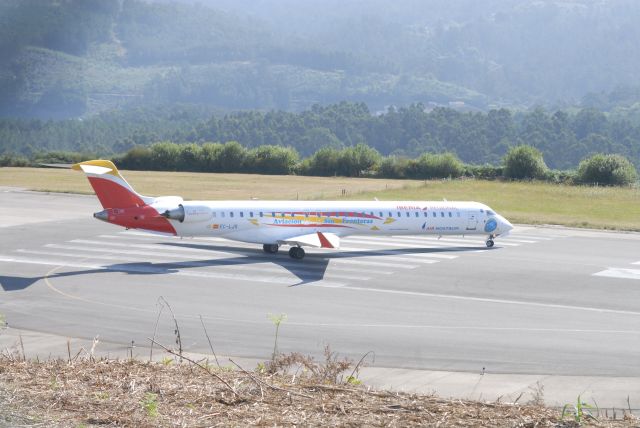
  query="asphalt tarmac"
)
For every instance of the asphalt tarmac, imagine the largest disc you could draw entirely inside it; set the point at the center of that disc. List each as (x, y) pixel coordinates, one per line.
(545, 302)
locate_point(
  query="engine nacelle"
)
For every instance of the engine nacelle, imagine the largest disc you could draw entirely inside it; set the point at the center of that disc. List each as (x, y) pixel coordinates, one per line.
(189, 213)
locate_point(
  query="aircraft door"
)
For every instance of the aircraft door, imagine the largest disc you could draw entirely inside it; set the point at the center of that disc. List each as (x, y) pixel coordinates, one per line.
(472, 221)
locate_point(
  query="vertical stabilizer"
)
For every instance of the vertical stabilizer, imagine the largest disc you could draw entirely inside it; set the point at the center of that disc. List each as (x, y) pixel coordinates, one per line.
(111, 188)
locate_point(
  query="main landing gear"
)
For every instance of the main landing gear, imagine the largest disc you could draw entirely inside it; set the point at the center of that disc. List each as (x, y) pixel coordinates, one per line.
(296, 253)
(490, 241)
(270, 248)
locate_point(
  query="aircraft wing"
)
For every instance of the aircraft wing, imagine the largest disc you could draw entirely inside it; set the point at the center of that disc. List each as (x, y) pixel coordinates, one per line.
(318, 240)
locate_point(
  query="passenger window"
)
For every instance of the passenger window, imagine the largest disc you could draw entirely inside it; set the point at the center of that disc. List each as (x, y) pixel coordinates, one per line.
(399, 214)
(417, 214)
(435, 214)
(381, 214)
(231, 214)
(458, 213)
(241, 214)
(214, 214)
(426, 214)
(250, 213)
(441, 213)
(282, 215)
(408, 214)
(450, 215)
(390, 215)
(292, 214)
(261, 214)
(222, 214)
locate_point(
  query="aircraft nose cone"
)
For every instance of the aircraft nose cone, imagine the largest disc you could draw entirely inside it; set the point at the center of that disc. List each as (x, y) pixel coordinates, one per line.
(102, 215)
(505, 225)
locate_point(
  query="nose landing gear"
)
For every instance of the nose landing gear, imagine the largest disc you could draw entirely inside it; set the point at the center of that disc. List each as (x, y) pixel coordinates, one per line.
(296, 253)
(489, 242)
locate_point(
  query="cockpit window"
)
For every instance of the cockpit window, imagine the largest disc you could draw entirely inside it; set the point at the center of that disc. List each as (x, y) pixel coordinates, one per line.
(489, 212)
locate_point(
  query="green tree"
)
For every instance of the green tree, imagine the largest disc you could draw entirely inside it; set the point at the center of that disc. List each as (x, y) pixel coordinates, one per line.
(358, 160)
(435, 166)
(324, 162)
(272, 160)
(524, 162)
(608, 170)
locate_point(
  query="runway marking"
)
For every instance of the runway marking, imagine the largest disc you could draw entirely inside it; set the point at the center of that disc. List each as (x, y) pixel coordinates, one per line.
(428, 244)
(396, 253)
(448, 240)
(278, 278)
(488, 300)
(259, 266)
(132, 252)
(620, 273)
(342, 325)
(352, 261)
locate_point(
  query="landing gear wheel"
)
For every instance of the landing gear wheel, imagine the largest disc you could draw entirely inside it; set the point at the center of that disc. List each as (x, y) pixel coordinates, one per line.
(270, 248)
(296, 253)
(489, 243)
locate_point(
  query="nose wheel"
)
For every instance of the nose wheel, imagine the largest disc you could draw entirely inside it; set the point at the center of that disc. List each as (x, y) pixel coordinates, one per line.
(296, 253)
(489, 242)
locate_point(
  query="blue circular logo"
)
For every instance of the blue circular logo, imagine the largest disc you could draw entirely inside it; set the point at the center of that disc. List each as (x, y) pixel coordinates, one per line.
(491, 225)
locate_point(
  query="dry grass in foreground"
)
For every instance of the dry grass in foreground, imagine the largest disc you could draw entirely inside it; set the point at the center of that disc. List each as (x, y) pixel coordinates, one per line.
(132, 393)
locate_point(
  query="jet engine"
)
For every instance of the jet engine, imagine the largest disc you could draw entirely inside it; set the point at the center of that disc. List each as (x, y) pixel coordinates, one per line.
(189, 213)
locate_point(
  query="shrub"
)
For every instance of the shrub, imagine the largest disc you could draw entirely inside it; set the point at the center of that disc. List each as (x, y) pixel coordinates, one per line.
(524, 162)
(608, 170)
(435, 166)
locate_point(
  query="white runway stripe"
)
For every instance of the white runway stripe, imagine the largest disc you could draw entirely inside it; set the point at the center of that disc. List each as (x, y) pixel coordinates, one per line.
(286, 279)
(175, 254)
(529, 237)
(426, 245)
(424, 242)
(367, 261)
(308, 265)
(396, 254)
(620, 273)
(171, 248)
(383, 260)
(522, 241)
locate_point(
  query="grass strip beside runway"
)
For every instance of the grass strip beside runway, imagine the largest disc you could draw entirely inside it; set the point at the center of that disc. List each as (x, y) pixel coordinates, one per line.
(520, 202)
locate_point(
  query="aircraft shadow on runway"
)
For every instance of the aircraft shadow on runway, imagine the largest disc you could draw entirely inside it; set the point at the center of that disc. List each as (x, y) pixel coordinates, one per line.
(311, 269)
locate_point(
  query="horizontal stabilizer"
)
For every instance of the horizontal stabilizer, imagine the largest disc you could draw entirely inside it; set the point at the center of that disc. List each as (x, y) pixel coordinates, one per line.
(318, 240)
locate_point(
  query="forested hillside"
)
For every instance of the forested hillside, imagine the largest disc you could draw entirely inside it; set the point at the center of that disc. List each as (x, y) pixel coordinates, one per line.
(404, 77)
(74, 58)
(476, 138)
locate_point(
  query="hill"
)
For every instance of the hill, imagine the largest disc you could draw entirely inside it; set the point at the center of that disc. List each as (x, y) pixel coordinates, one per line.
(74, 58)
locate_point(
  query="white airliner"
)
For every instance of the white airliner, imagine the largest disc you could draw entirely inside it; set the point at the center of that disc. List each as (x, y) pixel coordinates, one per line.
(298, 224)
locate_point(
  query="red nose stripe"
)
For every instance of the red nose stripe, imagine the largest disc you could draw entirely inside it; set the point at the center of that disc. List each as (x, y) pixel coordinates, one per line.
(113, 195)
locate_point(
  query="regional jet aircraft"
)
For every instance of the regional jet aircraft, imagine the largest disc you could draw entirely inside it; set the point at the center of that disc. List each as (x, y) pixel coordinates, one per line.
(296, 224)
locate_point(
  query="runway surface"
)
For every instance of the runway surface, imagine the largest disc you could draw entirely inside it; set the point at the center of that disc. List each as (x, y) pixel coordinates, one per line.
(543, 301)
